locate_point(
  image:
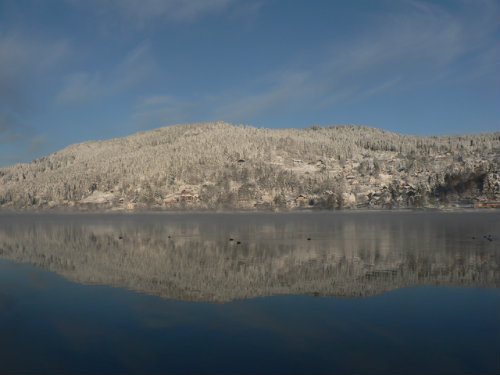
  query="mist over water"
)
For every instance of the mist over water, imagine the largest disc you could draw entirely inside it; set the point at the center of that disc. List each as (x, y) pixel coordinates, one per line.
(408, 281)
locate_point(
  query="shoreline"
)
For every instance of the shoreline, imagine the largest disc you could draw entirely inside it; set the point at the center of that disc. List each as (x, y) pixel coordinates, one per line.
(124, 213)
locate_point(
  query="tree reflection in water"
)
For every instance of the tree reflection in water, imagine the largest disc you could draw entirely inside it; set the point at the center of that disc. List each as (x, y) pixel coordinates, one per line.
(191, 256)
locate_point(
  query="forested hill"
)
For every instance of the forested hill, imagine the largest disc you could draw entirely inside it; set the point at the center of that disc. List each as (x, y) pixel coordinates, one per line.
(221, 166)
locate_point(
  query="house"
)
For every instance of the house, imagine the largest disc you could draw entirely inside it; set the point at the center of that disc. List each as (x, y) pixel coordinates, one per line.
(301, 200)
(246, 203)
(186, 195)
(487, 205)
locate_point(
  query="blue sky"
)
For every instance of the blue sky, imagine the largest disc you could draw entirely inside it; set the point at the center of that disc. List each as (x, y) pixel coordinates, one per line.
(74, 70)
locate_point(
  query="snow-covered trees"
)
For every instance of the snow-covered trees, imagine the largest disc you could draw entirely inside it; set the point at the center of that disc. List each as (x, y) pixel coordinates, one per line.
(227, 165)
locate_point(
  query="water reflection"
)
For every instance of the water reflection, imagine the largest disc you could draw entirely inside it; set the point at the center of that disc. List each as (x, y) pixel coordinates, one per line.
(192, 257)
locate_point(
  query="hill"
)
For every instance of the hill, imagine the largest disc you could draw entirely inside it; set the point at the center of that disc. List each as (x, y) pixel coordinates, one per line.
(221, 166)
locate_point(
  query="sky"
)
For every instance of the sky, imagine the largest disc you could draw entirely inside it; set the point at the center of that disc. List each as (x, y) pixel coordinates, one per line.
(72, 70)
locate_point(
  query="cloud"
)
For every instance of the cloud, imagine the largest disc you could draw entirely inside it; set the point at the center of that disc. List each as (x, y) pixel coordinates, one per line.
(160, 110)
(140, 14)
(81, 87)
(8, 160)
(152, 101)
(36, 144)
(23, 61)
(285, 88)
(23, 147)
(10, 128)
(418, 44)
(180, 10)
(136, 65)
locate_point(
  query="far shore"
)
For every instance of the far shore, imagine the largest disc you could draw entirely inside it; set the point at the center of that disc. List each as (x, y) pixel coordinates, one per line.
(66, 211)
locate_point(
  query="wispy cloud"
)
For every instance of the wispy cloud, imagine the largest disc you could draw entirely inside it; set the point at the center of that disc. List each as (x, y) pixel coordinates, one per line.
(379, 89)
(171, 9)
(24, 60)
(25, 148)
(82, 87)
(158, 110)
(136, 65)
(37, 144)
(139, 14)
(10, 128)
(419, 44)
(7, 160)
(286, 88)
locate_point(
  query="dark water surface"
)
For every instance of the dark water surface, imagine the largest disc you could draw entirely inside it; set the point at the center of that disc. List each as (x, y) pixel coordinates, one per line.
(390, 292)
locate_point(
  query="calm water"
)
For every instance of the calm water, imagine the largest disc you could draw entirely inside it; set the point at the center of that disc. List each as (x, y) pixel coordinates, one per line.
(307, 293)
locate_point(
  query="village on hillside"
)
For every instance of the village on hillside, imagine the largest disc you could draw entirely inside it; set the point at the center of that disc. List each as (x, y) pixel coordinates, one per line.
(219, 166)
(391, 184)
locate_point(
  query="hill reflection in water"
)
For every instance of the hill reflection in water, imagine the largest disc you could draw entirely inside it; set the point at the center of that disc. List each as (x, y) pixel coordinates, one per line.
(191, 256)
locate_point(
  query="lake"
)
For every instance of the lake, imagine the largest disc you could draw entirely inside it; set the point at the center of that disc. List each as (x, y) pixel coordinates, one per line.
(329, 292)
